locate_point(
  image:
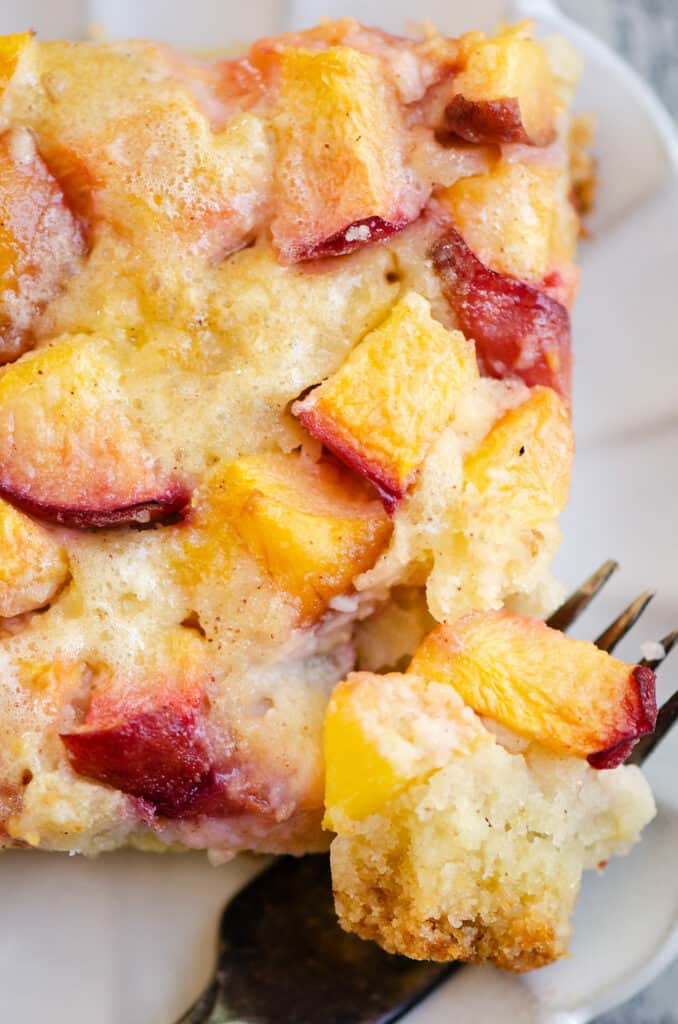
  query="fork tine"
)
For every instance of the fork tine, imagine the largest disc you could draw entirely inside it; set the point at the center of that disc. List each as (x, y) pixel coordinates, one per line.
(668, 712)
(666, 719)
(575, 604)
(617, 630)
(668, 643)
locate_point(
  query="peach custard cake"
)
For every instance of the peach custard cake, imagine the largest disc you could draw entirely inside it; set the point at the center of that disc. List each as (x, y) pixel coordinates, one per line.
(284, 437)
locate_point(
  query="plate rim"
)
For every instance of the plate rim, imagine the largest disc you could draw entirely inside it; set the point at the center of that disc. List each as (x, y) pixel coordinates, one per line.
(588, 42)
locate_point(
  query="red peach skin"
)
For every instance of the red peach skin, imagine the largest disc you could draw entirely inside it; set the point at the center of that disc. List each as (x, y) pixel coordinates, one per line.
(486, 121)
(519, 331)
(160, 756)
(353, 236)
(69, 453)
(563, 693)
(163, 508)
(387, 486)
(644, 679)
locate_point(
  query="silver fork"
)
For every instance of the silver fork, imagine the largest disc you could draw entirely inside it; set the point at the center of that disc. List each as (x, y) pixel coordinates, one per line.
(283, 959)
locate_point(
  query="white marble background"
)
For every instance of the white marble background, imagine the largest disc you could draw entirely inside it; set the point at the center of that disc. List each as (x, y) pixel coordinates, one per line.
(644, 31)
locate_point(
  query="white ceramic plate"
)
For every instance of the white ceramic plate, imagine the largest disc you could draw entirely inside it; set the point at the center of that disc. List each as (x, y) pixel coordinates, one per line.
(129, 939)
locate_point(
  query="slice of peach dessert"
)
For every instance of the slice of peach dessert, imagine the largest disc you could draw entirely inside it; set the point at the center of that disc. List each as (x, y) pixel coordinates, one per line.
(289, 317)
(392, 396)
(463, 824)
(504, 91)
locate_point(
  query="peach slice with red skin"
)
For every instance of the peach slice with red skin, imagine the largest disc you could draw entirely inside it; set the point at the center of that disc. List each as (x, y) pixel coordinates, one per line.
(68, 450)
(392, 395)
(33, 565)
(340, 178)
(41, 240)
(163, 757)
(160, 756)
(145, 735)
(519, 331)
(504, 93)
(312, 526)
(150, 737)
(566, 694)
(514, 220)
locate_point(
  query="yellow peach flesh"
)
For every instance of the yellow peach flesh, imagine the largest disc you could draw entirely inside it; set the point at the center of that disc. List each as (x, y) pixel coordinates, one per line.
(393, 394)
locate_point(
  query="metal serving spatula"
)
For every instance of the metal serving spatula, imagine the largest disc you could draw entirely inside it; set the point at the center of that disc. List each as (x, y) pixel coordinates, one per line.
(282, 957)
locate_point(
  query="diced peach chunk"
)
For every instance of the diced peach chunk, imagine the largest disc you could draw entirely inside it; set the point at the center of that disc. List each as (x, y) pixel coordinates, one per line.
(159, 756)
(566, 694)
(384, 732)
(33, 565)
(340, 178)
(394, 393)
(143, 735)
(519, 330)
(40, 239)
(523, 465)
(312, 526)
(505, 92)
(11, 49)
(68, 450)
(512, 219)
(359, 777)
